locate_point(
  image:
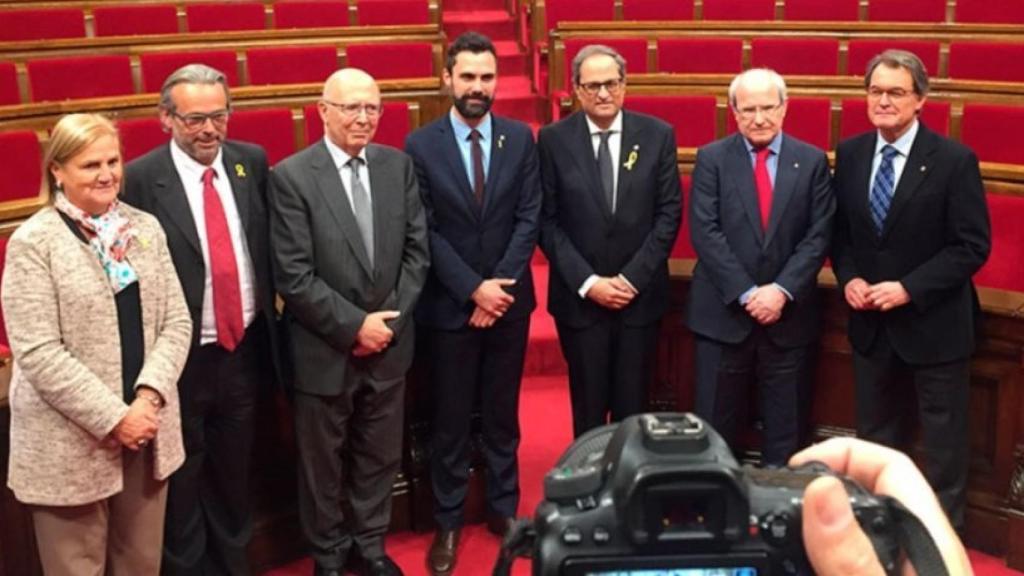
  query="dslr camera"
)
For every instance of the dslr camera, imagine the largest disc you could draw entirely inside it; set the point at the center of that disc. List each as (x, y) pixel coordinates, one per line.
(662, 494)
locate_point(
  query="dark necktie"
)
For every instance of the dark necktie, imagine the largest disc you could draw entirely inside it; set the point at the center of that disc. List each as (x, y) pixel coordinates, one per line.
(477, 155)
(764, 186)
(227, 294)
(883, 188)
(361, 207)
(604, 166)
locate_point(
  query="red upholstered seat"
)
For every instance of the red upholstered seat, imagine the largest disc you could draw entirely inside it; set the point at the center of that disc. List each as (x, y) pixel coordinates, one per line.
(813, 56)
(21, 157)
(700, 55)
(907, 10)
(854, 117)
(80, 77)
(822, 10)
(225, 16)
(9, 84)
(129, 19)
(271, 128)
(993, 132)
(157, 66)
(1003, 269)
(291, 65)
(990, 11)
(682, 248)
(384, 12)
(556, 11)
(862, 51)
(310, 14)
(809, 119)
(693, 117)
(140, 135)
(634, 50)
(739, 9)
(41, 24)
(391, 130)
(393, 60)
(5, 343)
(996, 61)
(657, 9)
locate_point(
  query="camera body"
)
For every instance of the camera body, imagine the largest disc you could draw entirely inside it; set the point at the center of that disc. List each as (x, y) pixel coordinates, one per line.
(662, 493)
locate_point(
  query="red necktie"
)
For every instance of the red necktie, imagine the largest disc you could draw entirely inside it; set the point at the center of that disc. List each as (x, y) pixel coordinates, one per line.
(227, 295)
(764, 186)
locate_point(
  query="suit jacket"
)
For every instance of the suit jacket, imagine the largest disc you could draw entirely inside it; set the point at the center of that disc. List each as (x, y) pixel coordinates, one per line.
(323, 273)
(936, 236)
(471, 243)
(152, 183)
(734, 251)
(580, 236)
(66, 391)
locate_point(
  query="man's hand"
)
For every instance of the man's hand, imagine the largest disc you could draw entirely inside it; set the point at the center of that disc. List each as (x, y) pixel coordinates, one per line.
(374, 335)
(856, 292)
(138, 426)
(766, 303)
(887, 295)
(611, 293)
(490, 296)
(482, 319)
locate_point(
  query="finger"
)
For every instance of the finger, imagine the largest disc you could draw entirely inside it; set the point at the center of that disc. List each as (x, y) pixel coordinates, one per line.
(389, 314)
(505, 281)
(835, 543)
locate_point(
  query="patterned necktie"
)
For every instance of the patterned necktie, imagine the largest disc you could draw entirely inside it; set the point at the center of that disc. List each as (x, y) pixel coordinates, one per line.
(604, 167)
(227, 294)
(477, 155)
(763, 180)
(883, 188)
(361, 207)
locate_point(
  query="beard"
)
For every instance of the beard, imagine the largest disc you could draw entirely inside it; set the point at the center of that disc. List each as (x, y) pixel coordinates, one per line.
(473, 110)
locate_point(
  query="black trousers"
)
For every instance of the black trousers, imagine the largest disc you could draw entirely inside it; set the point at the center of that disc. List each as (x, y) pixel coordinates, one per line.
(208, 523)
(468, 364)
(350, 449)
(724, 373)
(886, 386)
(610, 368)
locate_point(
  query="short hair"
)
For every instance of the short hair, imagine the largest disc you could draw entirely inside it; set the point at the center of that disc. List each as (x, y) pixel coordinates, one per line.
(192, 74)
(72, 134)
(474, 42)
(596, 50)
(762, 74)
(901, 59)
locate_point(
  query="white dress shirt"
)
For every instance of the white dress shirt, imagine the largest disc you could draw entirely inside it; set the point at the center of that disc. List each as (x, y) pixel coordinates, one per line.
(341, 158)
(899, 161)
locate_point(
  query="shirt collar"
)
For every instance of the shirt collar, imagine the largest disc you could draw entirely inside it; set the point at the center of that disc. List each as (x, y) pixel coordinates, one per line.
(191, 169)
(775, 145)
(339, 156)
(462, 129)
(902, 144)
(616, 126)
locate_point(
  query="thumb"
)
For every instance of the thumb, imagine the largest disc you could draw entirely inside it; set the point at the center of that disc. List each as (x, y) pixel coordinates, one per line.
(505, 281)
(389, 314)
(835, 544)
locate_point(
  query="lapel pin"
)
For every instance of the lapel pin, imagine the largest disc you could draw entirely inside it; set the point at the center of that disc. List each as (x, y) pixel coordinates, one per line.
(501, 141)
(796, 164)
(924, 168)
(239, 170)
(634, 155)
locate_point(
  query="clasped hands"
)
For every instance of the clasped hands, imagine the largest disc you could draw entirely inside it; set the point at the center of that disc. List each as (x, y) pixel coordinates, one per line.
(765, 304)
(492, 301)
(139, 426)
(883, 296)
(611, 292)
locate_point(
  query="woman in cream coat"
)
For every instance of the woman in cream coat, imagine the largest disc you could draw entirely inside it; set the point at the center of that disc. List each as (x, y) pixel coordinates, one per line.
(99, 333)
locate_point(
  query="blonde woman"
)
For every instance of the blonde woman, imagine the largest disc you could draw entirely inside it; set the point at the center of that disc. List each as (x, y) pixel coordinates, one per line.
(99, 332)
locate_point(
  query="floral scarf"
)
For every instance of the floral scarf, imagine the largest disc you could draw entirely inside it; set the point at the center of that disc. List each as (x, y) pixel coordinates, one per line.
(109, 234)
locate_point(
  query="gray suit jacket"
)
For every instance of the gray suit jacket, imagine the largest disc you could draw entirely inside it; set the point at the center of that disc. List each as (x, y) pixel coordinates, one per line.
(322, 272)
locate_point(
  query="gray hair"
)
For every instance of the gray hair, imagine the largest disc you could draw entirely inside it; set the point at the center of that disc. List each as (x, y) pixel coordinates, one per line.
(192, 74)
(757, 75)
(596, 50)
(901, 59)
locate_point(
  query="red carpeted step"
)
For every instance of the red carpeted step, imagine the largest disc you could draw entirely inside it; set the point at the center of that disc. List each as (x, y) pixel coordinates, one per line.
(512, 61)
(543, 354)
(517, 100)
(497, 24)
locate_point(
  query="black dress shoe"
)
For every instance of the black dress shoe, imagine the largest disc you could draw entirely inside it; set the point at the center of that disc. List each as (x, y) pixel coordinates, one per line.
(441, 556)
(500, 525)
(381, 566)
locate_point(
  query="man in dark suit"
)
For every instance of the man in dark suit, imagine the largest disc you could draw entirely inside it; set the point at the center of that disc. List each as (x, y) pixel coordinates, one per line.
(478, 180)
(210, 196)
(350, 254)
(611, 214)
(761, 212)
(912, 229)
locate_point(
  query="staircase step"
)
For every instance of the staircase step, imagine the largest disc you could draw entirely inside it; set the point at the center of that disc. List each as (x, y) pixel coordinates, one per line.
(498, 25)
(543, 353)
(511, 60)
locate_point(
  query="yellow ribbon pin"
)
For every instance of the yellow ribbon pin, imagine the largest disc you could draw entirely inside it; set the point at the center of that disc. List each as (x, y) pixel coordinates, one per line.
(501, 141)
(240, 170)
(633, 157)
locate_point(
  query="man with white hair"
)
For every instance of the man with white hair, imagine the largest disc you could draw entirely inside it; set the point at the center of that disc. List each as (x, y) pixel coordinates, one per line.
(761, 212)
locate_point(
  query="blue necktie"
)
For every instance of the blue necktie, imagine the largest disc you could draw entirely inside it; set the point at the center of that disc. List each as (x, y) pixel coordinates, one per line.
(882, 189)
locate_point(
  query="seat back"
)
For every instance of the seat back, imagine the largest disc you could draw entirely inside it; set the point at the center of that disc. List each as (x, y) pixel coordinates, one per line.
(392, 129)
(155, 67)
(907, 10)
(992, 131)
(41, 24)
(79, 77)
(739, 9)
(271, 128)
(990, 11)
(700, 55)
(140, 135)
(393, 60)
(291, 65)
(392, 12)
(693, 117)
(860, 52)
(22, 158)
(823, 10)
(812, 56)
(556, 11)
(9, 93)
(854, 117)
(634, 50)
(225, 16)
(1003, 268)
(678, 10)
(132, 19)
(994, 61)
(310, 13)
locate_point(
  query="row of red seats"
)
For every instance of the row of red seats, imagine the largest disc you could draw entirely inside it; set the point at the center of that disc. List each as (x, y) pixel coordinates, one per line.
(52, 79)
(138, 19)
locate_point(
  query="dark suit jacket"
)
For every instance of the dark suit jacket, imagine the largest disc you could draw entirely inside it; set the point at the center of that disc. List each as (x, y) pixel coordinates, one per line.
(936, 236)
(580, 236)
(735, 253)
(470, 243)
(323, 273)
(153, 184)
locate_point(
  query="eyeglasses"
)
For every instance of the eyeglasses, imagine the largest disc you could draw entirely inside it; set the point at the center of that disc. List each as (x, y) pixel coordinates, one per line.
(197, 120)
(876, 93)
(749, 112)
(594, 88)
(353, 110)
